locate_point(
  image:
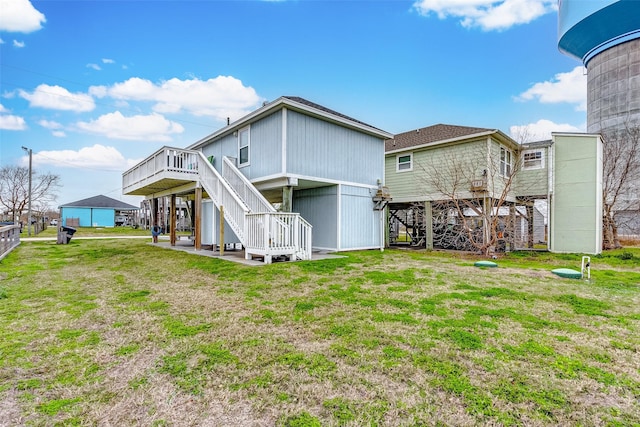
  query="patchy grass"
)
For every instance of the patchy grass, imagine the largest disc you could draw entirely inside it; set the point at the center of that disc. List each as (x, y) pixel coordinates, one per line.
(121, 332)
(52, 231)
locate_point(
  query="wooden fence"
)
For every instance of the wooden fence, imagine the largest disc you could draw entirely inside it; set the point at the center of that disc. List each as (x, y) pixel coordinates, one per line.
(9, 239)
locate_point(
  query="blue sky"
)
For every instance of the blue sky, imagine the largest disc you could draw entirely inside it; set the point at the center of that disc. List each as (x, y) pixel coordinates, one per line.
(93, 87)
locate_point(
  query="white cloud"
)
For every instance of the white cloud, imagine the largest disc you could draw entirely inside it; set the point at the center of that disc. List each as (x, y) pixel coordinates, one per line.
(108, 61)
(95, 157)
(50, 124)
(19, 16)
(153, 127)
(221, 97)
(11, 122)
(1, 41)
(18, 44)
(58, 98)
(54, 127)
(487, 14)
(568, 87)
(540, 130)
(94, 66)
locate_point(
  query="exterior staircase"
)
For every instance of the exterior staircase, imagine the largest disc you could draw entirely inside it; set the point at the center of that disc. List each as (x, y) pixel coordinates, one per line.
(262, 230)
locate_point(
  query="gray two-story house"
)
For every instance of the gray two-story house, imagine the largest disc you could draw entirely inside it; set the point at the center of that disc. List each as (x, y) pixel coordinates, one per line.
(286, 178)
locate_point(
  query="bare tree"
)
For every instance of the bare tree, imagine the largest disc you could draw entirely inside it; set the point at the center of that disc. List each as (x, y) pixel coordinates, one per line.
(14, 189)
(621, 179)
(470, 191)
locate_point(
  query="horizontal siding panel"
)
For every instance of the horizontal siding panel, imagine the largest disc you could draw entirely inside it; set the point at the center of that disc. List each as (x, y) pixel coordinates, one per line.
(466, 161)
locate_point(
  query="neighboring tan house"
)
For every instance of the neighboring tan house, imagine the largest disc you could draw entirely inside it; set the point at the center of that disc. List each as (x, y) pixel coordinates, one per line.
(287, 170)
(452, 186)
(97, 211)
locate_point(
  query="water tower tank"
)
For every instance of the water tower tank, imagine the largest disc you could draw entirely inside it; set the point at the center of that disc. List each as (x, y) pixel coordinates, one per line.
(605, 36)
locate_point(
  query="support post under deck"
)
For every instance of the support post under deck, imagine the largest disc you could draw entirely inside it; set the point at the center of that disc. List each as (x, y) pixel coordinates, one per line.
(172, 220)
(197, 214)
(428, 225)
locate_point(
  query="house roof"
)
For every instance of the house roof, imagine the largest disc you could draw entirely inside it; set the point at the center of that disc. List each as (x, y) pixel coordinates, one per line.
(297, 104)
(100, 202)
(431, 134)
(325, 109)
(439, 133)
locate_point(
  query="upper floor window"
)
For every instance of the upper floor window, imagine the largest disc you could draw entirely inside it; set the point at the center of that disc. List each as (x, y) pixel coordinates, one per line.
(506, 162)
(243, 147)
(533, 159)
(404, 162)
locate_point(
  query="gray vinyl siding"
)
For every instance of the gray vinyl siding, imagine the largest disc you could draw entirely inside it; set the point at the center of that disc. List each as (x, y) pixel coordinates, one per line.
(319, 206)
(359, 223)
(316, 148)
(265, 148)
(226, 146)
(211, 226)
(207, 232)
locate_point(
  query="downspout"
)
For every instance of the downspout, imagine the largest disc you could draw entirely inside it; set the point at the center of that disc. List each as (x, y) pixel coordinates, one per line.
(339, 218)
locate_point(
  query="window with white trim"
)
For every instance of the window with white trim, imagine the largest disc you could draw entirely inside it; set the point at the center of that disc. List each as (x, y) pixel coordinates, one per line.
(404, 162)
(243, 146)
(532, 159)
(506, 162)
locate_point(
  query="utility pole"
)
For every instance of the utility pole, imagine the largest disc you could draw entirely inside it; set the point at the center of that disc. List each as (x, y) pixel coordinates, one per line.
(28, 150)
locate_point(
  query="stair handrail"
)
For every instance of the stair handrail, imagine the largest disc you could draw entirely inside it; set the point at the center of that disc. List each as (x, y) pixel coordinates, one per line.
(221, 193)
(304, 239)
(245, 188)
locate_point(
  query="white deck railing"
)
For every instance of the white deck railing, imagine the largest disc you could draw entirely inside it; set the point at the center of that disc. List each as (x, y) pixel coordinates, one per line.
(9, 239)
(166, 159)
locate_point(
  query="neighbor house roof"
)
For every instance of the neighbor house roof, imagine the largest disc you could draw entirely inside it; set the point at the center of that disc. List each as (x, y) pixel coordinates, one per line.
(100, 202)
(293, 103)
(437, 134)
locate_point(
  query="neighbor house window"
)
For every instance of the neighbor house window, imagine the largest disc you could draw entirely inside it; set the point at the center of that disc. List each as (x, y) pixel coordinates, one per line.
(533, 159)
(506, 165)
(243, 147)
(404, 162)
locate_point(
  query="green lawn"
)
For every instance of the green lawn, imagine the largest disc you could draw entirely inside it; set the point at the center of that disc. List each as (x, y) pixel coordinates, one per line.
(52, 231)
(119, 332)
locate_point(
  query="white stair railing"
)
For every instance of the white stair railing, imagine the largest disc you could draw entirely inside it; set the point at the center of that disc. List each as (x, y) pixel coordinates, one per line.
(268, 231)
(222, 194)
(304, 229)
(245, 189)
(277, 233)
